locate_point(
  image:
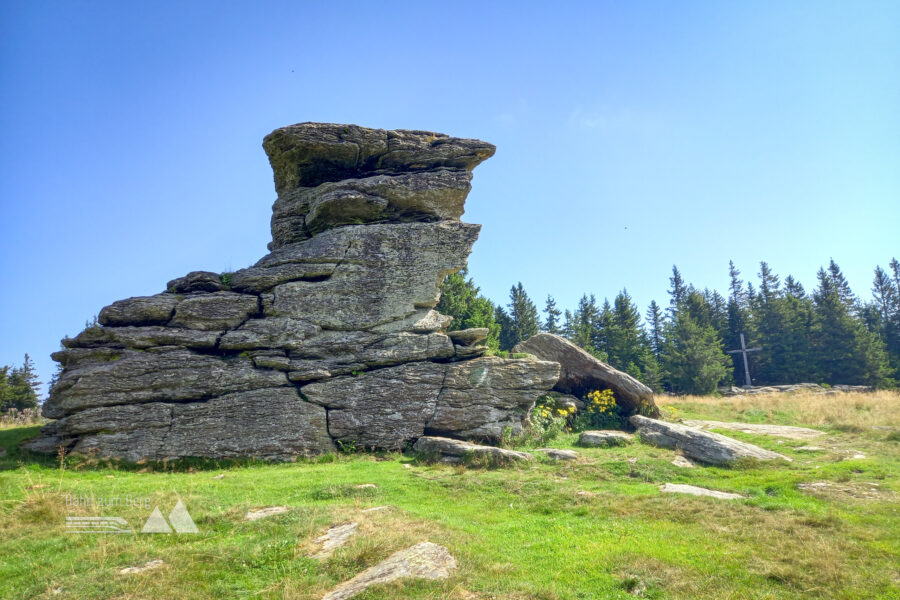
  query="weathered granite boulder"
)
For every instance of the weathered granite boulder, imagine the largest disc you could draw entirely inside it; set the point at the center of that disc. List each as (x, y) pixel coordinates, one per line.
(582, 373)
(332, 336)
(460, 450)
(710, 448)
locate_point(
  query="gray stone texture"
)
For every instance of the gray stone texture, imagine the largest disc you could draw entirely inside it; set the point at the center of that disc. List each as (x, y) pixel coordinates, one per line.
(703, 446)
(331, 336)
(582, 373)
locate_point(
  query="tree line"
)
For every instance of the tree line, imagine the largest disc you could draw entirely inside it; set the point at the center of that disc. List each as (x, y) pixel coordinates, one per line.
(827, 336)
(19, 386)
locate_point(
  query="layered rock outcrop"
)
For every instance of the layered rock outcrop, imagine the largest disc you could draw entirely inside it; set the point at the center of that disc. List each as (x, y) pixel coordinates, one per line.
(331, 337)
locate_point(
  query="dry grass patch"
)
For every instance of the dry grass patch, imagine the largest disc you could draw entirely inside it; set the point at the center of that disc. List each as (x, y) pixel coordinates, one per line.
(848, 411)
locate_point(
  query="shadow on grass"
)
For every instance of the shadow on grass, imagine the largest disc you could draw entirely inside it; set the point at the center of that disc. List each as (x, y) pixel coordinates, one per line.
(15, 457)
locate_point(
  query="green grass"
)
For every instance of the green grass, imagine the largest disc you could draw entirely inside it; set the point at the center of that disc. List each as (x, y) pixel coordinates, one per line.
(595, 528)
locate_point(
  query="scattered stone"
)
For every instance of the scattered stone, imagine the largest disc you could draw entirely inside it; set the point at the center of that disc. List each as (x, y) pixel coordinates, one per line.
(809, 449)
(366, 486)
(459, 449)
(604, 438)
(703, 446)
(423, 561)
(680, 488)
(681, 461)
(333, 539)
(860, 490)
(219, 476)
(856, 455)
(557, 454)
(582, 373)
(785, 431)
(375, 509)
(262, 513)
(197, 281)
(469, 337)
(147, 566)
(796, 387)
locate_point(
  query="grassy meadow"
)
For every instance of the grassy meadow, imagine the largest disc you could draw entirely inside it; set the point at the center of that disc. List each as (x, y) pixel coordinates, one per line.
(597, 527)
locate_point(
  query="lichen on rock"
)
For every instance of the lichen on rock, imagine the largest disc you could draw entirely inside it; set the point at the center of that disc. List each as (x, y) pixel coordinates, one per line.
(332, 336)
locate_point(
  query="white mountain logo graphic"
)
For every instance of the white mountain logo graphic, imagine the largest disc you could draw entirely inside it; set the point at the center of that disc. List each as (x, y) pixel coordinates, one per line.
(179, 518)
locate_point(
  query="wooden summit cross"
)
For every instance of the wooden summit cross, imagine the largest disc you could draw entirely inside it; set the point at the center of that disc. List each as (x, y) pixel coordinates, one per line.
(744, 350)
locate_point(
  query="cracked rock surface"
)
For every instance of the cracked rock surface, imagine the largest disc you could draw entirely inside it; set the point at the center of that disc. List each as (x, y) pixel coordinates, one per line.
(332, 336)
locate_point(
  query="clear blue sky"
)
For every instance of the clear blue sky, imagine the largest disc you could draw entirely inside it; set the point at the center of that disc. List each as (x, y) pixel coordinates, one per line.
(630, 136)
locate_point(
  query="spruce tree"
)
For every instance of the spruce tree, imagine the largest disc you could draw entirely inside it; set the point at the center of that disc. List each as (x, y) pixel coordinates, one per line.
(655, 323)
(23, 385)
(584, 321)
(460, 299)
(677, 290)
(5, 394)
(737, 321)
(692, 358)
(523, 314)
(886, 293)
(843, 349)
(506, 337)
(551, 325)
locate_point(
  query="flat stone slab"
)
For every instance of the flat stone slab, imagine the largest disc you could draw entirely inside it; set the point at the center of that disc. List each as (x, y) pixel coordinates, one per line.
(557, 454)
(696, 444)
(604, 438)
(785, 431)
(333, 539)
(680, 461)
(423, 561)
(147, 566)
(681, 488)
(449, 447)
(262, 513)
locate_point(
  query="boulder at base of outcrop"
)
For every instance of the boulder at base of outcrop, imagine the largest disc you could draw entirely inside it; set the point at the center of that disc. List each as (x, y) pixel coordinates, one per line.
(558, 454)
(680, 488)
(447, 447)
(582, 373)
(423, 561)
(604, 438)
(710, 448)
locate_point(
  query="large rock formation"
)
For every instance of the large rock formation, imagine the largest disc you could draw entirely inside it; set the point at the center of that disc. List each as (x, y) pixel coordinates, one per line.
(582, 373)
(331, 337)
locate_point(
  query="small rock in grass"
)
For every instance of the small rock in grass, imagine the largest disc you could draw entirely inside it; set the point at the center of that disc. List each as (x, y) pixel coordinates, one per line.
(604, 438)
(147, 566)
(557, 454)
(375, 509)
(262, 513)
(38, 486)
(366, 486)
(448, 447)
(423, 561)
(219, 476)
(681, 461)
(680, 488)
(333, 539)
(809, 449)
